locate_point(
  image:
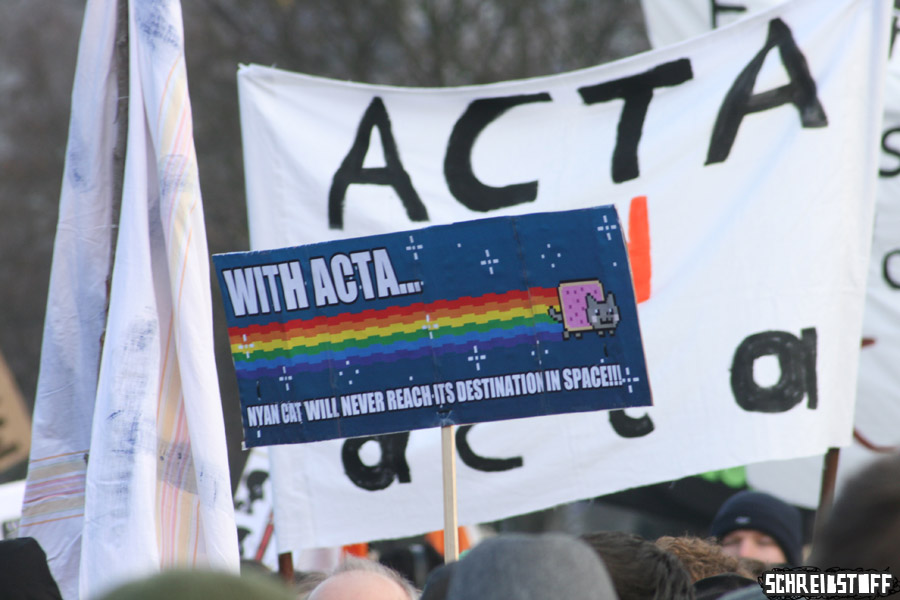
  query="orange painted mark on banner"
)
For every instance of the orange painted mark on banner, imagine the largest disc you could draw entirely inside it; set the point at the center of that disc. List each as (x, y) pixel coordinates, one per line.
(639, 247)
(359, 550)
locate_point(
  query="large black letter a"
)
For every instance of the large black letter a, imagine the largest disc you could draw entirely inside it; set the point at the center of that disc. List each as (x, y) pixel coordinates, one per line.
(392, 174)
(392, 465)
(741, 101)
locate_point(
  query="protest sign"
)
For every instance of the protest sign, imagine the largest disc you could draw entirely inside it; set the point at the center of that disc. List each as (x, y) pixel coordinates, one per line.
(878, 387)
(743, 165)
(479, 321)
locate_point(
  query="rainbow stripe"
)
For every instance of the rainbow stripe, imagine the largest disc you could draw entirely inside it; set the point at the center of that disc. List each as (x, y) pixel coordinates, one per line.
(400, 332)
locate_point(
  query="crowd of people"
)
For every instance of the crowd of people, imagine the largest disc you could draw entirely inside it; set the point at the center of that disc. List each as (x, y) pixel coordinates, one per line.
(751, 533)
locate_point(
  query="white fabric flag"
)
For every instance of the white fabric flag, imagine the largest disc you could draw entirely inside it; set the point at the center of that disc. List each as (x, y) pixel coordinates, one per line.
(53, 507)
(157, 490)
(743, 165)
(878, 388)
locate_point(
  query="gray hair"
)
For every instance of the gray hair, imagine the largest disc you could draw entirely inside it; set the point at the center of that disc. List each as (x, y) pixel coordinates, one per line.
(353, 563)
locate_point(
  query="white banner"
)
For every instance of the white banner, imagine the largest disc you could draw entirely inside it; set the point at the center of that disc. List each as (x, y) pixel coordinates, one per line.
(878, 390)
(743, 166)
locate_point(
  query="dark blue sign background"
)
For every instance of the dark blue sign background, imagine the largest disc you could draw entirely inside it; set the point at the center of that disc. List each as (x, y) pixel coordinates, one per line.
(478, 321)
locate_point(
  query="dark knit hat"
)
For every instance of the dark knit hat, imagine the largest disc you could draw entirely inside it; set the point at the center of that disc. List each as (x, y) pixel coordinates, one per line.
(24, 574)
(761, 512)
(437, 583)
(524, 567)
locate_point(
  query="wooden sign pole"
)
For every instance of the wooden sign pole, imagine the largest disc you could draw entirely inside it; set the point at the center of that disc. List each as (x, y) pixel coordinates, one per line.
(826, 495)
(451, 525)
(286, 567)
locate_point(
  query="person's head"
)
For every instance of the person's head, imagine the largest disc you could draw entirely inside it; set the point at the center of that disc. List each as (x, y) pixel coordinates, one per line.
(306, 581)
(701, 557)
(862, 528)
(758, 525)
(640, 569)
(523, 567)
(361, 578)
(251, 565)
(190, 585)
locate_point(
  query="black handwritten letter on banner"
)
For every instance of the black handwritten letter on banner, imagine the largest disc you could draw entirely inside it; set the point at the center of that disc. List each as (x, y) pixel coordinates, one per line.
(630, 427)
(461, 181)
(478, 462)
(891, 150)
(392, 465)
(716, 8)
(888, 271)
(741, 101)
(392, 174)
(637, 91)
(797, 360)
